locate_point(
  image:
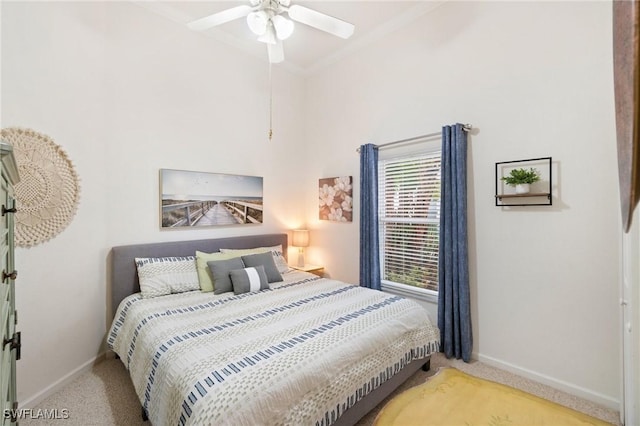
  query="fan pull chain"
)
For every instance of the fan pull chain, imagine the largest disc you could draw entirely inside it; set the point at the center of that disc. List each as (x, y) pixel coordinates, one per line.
(270, 104)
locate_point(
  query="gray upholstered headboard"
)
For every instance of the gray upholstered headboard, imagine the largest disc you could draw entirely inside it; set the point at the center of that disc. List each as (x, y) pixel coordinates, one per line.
(124, 276)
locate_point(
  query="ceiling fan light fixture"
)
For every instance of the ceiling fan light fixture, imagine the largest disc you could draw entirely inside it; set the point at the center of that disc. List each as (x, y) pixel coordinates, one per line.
(269, 35)
(258, 22)
(284, 27)
(273, 21)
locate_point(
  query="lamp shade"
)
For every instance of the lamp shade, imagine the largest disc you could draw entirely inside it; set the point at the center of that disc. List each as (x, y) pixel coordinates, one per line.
(300, 238)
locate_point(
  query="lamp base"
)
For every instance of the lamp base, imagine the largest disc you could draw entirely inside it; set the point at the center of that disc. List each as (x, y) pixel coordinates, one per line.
(300, 258)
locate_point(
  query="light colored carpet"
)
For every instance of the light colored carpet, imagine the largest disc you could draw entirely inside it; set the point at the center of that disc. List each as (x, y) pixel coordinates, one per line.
(105, 395)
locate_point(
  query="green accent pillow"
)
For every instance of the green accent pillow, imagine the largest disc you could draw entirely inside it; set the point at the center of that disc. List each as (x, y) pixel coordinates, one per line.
(204, 273)
(220, 270)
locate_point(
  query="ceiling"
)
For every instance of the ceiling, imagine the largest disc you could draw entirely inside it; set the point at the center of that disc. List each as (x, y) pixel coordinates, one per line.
(308, 49)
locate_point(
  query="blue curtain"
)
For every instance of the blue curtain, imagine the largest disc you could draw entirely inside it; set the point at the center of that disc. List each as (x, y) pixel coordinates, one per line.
(369, 244)
(454, 316)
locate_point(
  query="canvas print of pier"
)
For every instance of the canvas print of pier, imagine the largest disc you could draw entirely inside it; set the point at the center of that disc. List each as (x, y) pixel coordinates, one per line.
(335, 199)
(191, 199)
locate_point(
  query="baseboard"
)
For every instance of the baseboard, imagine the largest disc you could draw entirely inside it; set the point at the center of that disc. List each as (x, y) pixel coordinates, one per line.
(34, 400)
(567, 387)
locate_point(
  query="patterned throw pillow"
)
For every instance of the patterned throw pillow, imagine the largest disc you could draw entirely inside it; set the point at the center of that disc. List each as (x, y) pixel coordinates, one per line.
(249, 280)
(160, 276)
(276, 251)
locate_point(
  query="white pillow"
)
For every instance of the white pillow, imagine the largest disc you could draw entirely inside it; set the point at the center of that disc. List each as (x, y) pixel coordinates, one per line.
(160, 276)
(276, 251)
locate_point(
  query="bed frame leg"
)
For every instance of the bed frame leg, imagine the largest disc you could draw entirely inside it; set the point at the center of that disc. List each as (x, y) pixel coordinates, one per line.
(427, 365)
(144, 415)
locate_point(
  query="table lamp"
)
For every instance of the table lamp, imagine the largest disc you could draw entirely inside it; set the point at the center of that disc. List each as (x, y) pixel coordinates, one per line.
(300, 240)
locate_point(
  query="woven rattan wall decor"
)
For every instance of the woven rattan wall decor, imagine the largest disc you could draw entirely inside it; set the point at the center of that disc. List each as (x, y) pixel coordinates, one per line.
(49, 190)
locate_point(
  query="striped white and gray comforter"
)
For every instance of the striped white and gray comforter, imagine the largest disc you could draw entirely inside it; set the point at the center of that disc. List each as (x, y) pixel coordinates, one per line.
(300, 353)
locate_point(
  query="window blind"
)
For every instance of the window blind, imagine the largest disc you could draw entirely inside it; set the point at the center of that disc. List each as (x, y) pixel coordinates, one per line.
(409, 219)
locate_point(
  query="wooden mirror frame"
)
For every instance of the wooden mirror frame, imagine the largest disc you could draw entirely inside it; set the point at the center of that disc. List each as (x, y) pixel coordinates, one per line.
(626, 51)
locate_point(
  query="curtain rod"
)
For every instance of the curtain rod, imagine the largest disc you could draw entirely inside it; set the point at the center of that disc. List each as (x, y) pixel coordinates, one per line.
(465, 127)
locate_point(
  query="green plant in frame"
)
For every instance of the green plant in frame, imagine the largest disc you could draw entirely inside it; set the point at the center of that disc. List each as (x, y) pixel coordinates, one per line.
(520, 176)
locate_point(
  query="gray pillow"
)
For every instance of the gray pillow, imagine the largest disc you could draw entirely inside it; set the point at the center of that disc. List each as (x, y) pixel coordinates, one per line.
(220, 272)
(266, 260)
(249, 280)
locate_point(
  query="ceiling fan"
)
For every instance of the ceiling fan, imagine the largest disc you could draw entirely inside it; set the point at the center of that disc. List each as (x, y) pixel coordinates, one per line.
(266, 19)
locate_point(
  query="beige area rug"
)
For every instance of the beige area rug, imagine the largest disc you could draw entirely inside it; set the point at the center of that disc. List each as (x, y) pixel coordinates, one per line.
(454, 398)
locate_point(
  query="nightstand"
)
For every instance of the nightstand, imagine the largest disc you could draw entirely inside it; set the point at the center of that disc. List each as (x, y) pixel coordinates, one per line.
(314, 269)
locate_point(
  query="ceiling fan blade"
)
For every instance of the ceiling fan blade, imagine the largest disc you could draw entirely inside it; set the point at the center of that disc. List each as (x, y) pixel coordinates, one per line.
(276, 52)
(220, 18)
(321, 21)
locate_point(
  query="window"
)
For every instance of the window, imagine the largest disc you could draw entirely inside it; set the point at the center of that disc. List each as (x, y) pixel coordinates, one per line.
(409, 222)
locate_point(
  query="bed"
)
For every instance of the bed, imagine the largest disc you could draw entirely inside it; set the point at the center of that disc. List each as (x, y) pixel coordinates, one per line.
(307, 350)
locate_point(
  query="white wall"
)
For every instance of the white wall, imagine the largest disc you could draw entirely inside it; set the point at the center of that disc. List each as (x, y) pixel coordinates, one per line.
(126, 93)
(534, 79)
(631, 320)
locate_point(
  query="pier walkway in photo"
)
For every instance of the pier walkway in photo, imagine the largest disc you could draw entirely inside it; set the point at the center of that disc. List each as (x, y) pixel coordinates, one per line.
(217, 215)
